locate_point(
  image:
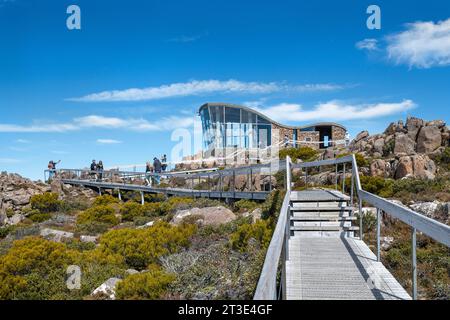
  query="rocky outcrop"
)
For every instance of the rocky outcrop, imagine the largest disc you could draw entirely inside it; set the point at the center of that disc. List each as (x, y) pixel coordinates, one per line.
(435, 210)
(55, 235)
(404, 150)
(205, 216)
(419, 166)
(16, 192)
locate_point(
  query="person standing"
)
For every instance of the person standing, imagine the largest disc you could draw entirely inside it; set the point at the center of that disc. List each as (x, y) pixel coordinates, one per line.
(148, 173)
(164, 163)
(94, 169)
(52, 169)
(100, 169)
(157, 167)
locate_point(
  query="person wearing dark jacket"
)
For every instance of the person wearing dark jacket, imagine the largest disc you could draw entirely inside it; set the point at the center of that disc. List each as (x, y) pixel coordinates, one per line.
(93, 169)
(100, 169)
(157, 167)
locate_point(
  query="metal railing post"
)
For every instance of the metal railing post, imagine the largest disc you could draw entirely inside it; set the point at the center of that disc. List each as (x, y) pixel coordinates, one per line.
(343, 180)
(306, 178)
(361, 233)
(120, 194)
(414, 263)
(336, 177)
(352, 190)
(378, 234)
(142, 198)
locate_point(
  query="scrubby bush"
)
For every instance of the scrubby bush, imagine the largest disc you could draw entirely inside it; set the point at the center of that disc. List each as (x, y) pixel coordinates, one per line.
(105, 200)
(272, 205)
(4, 231)
(261, 231)
(444, 158)
(100, 213)
(149, 285)
(361, 161)
(302, 153)
(39, 217)
(377, 185)
(131, 210)
(245, 205)
(141, 247)
(35, 268)
(46, 202)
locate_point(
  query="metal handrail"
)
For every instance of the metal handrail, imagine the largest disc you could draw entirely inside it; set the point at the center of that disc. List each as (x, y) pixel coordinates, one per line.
(267, 284)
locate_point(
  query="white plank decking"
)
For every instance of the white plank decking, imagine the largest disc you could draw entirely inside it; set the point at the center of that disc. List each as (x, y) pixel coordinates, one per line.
(332, 265)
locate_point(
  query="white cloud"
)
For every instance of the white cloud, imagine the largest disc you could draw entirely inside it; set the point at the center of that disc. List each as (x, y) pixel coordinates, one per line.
(367, 44)
(201, 87)
(108, 141)
(334, 111)
(421, 45)
(101, 122)
(9, 161)
(23, 141)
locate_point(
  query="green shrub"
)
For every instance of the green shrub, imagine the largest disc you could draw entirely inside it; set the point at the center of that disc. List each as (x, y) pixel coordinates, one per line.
(100, 213)
(377, 185)
(272, 205)
(46, 202)
(444, 158)
(10, 212)
(39, 217)
(245, 205)
(149, 285)
(302, 153)
(130, 210)
(388, 148)
(35, 269)
(4, 231)
(361, 161)
(105, 200)
(93, 228)
(142, 247)
(261, 231)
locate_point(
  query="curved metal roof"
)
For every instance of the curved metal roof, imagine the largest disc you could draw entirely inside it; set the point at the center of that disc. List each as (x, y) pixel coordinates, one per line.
(318, 124)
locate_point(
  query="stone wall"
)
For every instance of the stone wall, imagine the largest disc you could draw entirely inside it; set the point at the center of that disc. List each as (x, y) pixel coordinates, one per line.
(337, 133)
(281, 133)
(309, 135)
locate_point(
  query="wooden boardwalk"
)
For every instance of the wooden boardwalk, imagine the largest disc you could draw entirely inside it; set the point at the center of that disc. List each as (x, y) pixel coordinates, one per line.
(326, 261)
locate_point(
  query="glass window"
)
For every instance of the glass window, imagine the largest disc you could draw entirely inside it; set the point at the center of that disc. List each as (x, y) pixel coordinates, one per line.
(232, 115)
(216, 114)
(262, 120)
(248, 117)
(308, 129)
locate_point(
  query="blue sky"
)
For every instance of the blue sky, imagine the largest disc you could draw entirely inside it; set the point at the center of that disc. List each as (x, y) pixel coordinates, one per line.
(66, 94)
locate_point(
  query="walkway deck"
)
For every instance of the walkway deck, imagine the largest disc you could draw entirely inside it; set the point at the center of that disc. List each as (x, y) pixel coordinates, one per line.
(330, 265)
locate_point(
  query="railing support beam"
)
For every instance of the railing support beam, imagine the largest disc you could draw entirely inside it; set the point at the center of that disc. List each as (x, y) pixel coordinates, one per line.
(414, 263)
(378, 234)
(142, 198)
(361, 233)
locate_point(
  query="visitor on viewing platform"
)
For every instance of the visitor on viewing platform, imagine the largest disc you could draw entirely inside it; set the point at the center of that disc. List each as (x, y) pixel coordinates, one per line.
(286, 140)
(164, 163)
(148, 171)
(100, 169)
(93, 169)
(157, 167)
(52, 169)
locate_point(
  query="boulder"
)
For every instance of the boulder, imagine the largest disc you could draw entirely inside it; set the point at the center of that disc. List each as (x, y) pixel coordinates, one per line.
(255, 214)
(436, 123)
(429, 139)
(404, 145)
(107, 289)
(413, 126)
(378, 145)
(362, 135)
(207, 216)
(55, 235)
(419, 166)
(386, 243)
(91, 239)
(380, 168)
(15, 219)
